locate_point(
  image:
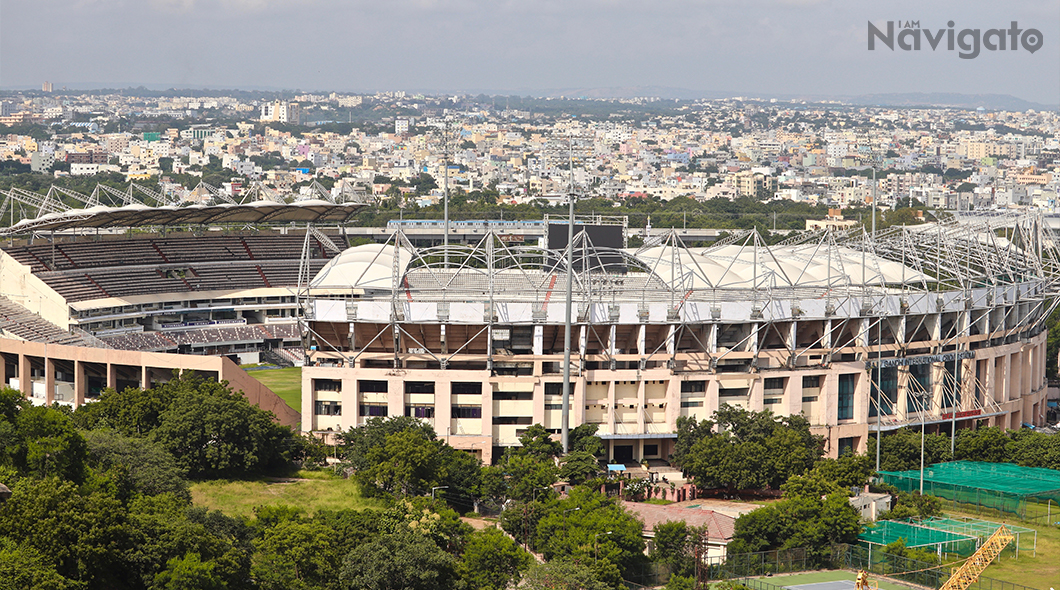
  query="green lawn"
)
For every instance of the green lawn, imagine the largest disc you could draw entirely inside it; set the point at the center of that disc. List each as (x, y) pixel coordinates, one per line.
(286, 383)
(240, 497)
(789, 580)
(1039, 570)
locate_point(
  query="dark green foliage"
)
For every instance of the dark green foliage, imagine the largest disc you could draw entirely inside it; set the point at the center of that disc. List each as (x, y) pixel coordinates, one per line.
(798, 521)
(579, 466)
(83, 537)
(212, 431)
(358, 442)
(561, 575)
(599, 529)
(151, 469)
(900, 450)
(529, 477)
(39, 441)
(538, 443)
(23, 567)
(584, 439)
(492, 561)
(402, 560)
(295, 555)
(673, 547)
(188, 573)
(898, 549)
(848, 471)
(913, 505)
(754, 450)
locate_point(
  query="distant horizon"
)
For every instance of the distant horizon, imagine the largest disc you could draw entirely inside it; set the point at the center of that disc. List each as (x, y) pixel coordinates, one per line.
(759, 48)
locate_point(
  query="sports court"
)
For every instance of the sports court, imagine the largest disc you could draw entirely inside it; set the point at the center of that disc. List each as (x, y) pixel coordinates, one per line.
(830, 580)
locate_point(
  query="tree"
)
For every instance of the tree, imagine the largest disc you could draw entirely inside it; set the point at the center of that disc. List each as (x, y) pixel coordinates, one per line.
(151, 469)
(295, 555)
(492, 561)
(799, 521)
(407, 463)
(561, 575)
(529, 476)
(84, 537)
(22, 566)
(583, 438)
(983, 444)
(358, 442)
(188, 573)
(211, 430)
(537, 442)
(590, 526)
(402, 560)
(672, 546)
(579, 466)
(39, 440)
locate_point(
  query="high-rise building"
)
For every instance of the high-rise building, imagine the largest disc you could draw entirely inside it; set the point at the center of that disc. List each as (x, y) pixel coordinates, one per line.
(281, 112)
(46, 87)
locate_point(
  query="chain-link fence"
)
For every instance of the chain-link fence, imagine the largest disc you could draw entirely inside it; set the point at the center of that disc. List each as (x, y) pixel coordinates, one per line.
(875, 561)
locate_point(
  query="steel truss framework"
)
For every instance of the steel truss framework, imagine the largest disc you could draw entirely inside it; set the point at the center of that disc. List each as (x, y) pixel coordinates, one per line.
(25, 211)
(895, 298)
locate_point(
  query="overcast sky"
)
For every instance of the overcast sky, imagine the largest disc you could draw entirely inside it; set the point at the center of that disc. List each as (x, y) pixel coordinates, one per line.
(739, 46)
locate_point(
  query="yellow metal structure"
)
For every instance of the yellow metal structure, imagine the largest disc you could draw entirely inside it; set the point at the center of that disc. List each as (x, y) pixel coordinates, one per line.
(967, 574)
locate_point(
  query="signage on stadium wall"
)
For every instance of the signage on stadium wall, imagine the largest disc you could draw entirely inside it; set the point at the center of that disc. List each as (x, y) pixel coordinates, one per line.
(964, 414)
(923, 360)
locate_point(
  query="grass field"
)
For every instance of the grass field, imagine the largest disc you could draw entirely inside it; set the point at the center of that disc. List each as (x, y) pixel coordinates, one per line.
(286, 383)
(1040, 570)
(789, 580)
(240, 497)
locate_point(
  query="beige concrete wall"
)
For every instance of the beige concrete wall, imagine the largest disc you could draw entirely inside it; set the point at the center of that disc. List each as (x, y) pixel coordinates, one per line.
(224, 368)
(18, 284)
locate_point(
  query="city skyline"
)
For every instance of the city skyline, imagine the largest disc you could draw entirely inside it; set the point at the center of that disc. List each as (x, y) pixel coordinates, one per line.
(768, 48)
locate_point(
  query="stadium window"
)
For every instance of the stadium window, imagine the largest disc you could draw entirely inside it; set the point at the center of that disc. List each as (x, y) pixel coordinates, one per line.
(327, 385)
(419, 411)
(328, 409)
(467, 412)
(693, 387)
(811, 381)
(773, 383)
(419, 387)
(466, 387)
(373, 410)
(686, 404)
(553, 389)
(846, 445)
(770, 401)
(845, 405)
(651, 450)
(520, 396)
(504, 420)
(553, 406)
(365, 386)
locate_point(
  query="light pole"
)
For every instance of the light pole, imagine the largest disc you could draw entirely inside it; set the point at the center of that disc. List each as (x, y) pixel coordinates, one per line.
(536, 490)
(437, 488)
(565, 407)
(596, 545)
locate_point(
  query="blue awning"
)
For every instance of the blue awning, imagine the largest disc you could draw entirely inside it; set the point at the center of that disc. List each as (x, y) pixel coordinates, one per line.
(619, 467)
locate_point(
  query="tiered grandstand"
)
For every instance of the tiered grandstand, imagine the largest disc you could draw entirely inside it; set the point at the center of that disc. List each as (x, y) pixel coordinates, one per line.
(88, 269)
(212, 293)
(21, 323)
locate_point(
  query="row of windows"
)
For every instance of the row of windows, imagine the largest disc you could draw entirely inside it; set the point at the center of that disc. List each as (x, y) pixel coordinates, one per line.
(551, 388)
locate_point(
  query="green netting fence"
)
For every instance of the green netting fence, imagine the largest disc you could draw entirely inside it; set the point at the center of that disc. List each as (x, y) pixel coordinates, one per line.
(942, 542)
(1029, 493)
(1026, 540)
(854, 557)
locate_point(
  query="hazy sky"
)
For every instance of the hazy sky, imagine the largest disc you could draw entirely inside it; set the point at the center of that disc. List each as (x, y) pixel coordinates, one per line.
(739, 46)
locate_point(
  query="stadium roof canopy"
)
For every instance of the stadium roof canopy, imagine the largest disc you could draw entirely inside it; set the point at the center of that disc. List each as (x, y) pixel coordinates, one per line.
(137, 215)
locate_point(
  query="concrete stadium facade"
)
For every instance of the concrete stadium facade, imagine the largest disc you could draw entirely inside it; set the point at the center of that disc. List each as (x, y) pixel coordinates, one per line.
(941, 325)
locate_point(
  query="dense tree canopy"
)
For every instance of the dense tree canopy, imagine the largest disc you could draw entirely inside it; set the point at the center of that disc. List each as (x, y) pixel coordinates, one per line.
(749, 450)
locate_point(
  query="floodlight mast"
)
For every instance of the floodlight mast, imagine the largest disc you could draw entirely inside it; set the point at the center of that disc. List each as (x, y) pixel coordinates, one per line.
(565, 412)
